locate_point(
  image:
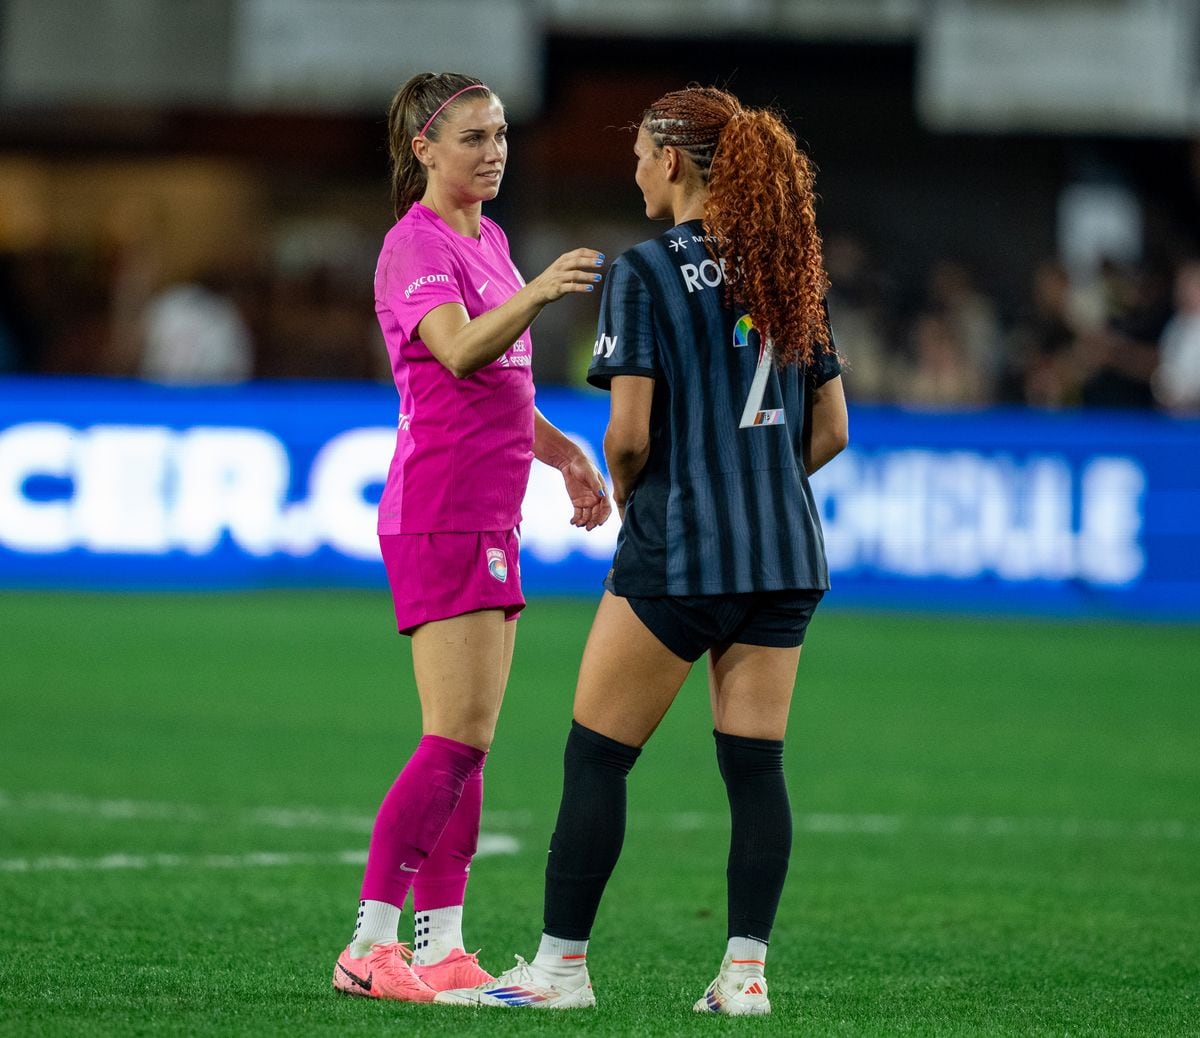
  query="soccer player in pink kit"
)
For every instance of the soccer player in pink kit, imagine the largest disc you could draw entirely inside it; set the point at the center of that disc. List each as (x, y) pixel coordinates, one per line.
(455, 315)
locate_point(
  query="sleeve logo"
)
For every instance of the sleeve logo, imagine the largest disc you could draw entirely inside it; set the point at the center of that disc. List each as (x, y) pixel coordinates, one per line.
(605, 345)
(428, 279)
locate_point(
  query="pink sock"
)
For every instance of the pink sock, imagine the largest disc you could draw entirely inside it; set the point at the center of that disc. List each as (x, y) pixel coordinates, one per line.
(413, 814)
(442, 880)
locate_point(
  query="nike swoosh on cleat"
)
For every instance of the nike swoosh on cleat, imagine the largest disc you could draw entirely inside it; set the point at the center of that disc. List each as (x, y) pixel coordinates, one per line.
(364, 984)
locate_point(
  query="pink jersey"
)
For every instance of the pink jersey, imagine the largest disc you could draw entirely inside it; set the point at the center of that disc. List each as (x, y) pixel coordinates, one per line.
(463, 446)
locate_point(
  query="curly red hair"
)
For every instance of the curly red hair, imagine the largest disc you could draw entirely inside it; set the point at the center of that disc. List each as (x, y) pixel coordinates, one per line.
(759, 210)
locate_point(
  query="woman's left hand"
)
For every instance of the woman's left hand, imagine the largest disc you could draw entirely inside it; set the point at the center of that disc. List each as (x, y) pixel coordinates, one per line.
(588, 493)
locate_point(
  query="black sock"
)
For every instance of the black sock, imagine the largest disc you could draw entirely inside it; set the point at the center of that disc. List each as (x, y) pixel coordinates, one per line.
(760, 841)
(589, 832)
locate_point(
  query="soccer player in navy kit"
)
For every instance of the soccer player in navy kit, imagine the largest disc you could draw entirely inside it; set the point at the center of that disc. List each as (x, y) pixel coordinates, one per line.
(725, 395)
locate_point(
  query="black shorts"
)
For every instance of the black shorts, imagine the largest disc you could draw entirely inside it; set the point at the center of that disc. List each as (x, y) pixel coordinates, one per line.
(690, 625)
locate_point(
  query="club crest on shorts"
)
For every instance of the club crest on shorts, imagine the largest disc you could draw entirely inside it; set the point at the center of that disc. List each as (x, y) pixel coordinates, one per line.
(497, 564)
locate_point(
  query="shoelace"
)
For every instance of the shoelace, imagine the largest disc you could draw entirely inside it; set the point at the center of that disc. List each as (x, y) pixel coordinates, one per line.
(472, 956)
(521, 973)
(388, 964)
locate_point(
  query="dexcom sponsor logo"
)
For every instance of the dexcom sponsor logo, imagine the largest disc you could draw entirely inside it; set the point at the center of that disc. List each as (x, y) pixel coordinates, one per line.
(428, 279)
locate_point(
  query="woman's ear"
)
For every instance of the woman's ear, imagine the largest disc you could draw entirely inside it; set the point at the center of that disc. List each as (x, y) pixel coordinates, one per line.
(672, 162)
(421, 150)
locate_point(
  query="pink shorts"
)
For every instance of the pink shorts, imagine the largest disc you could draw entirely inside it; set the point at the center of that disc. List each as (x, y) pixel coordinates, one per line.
(435, 576)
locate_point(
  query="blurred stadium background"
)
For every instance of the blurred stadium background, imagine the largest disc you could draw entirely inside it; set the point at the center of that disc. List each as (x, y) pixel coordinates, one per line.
(193, 194)
(194, 397)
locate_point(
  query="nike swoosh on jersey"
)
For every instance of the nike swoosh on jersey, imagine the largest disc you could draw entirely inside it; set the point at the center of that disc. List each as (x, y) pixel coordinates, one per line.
(484, 285)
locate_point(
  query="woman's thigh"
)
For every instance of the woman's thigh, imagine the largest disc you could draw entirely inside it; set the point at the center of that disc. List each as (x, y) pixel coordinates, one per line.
(461, 666)
(628, 678)
(751, 689)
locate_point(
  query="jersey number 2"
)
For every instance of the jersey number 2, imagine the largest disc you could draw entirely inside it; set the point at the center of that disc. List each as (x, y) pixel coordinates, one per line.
(754, 414)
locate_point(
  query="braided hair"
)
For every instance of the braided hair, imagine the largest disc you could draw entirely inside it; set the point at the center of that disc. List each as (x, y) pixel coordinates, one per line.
(759, 212)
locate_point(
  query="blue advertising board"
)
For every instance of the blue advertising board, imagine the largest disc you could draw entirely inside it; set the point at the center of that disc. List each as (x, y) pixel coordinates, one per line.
(126, 485)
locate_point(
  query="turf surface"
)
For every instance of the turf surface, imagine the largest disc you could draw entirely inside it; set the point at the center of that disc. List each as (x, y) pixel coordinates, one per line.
(998, 825)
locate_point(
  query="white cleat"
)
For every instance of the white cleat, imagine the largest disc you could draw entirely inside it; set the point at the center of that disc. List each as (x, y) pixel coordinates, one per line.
(739, 990)
(525, 986)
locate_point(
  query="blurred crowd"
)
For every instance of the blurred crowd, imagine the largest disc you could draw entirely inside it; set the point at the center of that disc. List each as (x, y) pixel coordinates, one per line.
(1121, 336)
(114, 310)
(1125, 336)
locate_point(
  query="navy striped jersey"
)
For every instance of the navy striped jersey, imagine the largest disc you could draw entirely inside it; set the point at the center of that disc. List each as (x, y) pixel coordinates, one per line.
(723, 504)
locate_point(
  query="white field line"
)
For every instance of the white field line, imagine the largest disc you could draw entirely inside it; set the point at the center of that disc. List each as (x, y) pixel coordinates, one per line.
(114, 862)
(966, 826)
(489, 844)
(68, 804)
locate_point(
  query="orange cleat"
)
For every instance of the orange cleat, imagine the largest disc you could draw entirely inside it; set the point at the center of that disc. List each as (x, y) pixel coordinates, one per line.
(383, 972)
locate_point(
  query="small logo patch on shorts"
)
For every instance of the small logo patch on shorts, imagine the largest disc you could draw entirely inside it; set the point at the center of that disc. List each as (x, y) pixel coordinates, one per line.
(497, 564)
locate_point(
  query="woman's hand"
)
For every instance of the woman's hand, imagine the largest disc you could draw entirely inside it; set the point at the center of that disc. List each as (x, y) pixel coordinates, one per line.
(587, 491)
(572, 272)
(464, 344)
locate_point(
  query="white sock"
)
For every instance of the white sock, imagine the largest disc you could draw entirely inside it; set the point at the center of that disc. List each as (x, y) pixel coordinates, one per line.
(436, 933)
(747, 952)
(561, 957)
(378, 923)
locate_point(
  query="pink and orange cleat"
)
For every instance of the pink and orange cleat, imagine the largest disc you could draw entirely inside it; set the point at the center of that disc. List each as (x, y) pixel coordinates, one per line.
(459, 969)
(383, 972)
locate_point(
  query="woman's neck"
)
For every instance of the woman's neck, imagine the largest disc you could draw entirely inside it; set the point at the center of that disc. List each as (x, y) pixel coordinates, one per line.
(689, 205)
(463, 219)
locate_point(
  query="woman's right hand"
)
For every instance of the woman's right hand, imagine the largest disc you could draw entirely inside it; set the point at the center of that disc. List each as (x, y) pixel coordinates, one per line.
(572, 272)
(464, 344)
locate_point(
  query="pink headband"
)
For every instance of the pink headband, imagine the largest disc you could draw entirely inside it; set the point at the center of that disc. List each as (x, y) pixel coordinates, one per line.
(438, 111)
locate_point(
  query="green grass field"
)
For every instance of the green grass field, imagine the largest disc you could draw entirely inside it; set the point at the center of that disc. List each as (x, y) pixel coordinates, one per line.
(997, 825)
